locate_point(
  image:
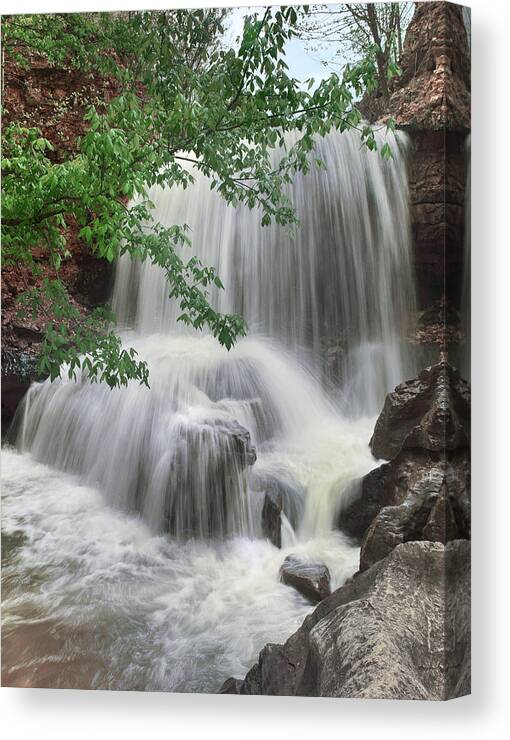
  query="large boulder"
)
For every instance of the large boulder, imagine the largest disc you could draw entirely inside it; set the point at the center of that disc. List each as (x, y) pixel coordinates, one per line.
(423, 493)
(430, 412)
(209, 499)
(399, 630)
(311, 579)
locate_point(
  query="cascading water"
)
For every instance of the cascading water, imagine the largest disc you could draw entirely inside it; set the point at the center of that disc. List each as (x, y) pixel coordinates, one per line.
(186, 591)
(339, 293)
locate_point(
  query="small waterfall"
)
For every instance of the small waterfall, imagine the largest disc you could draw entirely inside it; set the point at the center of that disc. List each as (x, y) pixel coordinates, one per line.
(327, 311)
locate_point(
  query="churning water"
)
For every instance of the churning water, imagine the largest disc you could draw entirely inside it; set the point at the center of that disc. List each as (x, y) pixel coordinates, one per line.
(141, 563)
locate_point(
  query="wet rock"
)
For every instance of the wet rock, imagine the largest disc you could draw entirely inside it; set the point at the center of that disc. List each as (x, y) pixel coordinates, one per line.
(312, 580)
(240, 440)
(271, 517)
(207, 499)
(423, 493)
(430, 412)
(19, 370)
(387, 634)
(231, 686)
(281, 495)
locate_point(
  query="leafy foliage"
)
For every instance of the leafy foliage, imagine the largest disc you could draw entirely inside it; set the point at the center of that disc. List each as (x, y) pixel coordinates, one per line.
(361, 27)
(184, 98)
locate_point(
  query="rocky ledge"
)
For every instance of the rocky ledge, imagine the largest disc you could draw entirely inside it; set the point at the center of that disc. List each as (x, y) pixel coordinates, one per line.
(400, 627)
(400, 630)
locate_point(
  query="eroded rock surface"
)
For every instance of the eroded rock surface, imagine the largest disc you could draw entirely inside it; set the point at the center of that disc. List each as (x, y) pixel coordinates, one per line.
(388, 633)
(423, 493)
(430, 412)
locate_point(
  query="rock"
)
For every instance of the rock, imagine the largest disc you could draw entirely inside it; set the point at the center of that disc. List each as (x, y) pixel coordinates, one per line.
(281, 494)
(19, 370)
(433, 91)
(431, 101)
(416, 496)
(430, 412)
(423, 493)
(231, 686)
(271, 518)
(399, 630)
(240, 440)
(209, 499)
(312, 580)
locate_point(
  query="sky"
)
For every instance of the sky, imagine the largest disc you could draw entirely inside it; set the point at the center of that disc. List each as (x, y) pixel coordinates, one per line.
(303, 63)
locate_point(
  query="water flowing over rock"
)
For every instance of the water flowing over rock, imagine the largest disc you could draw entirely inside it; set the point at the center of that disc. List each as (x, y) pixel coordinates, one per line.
(181, 453)
(400, 630)
(312, 580)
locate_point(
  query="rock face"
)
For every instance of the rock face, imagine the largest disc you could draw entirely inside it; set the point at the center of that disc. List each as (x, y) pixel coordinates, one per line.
(431, 101)
(240, 441)
(206, 500)
(431, 412)
(423, 493)
(312, 580)
(434, 90)
(388, 633)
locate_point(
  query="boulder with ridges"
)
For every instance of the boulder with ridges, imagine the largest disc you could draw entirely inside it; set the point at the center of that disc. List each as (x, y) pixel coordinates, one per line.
(388, 633)
(430, 412)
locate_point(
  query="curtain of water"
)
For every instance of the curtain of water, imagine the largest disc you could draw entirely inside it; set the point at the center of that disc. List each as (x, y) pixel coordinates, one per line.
(326, 309)
(340, 291)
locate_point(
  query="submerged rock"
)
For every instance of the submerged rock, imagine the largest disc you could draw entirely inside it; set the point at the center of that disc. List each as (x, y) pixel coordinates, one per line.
(312, 580)
(399, 630)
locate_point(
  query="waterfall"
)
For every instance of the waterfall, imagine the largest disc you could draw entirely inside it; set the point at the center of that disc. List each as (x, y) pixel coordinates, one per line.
(339, 292)
(326, 308)
(132, 516)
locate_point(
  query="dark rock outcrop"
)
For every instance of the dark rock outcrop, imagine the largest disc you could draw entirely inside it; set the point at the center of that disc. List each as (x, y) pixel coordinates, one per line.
(281, 495)
(423, 493)
(388, 633)
(312, 580)
(430, 412)
(271, 517)
(231, 686)
(19, 370)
